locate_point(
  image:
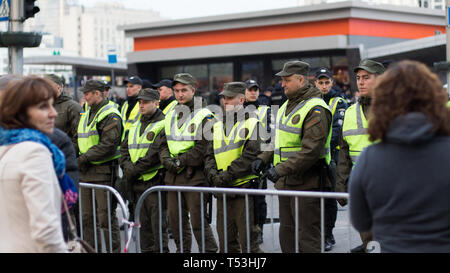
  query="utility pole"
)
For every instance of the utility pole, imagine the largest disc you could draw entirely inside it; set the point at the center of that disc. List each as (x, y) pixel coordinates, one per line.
(447, 33)
(16, 52)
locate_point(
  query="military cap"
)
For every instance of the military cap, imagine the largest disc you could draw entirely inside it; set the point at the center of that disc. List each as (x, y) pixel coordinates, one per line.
(54, 78)
(148, 94)
(134, 80)
(166, 83)
(324, 72)
(251, 83)
(184, 78)
(294, 67)
(232, 89)
(92, 85)
(370, 66)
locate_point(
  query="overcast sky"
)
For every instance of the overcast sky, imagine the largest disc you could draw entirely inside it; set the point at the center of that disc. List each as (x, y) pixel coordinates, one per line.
(179, 9)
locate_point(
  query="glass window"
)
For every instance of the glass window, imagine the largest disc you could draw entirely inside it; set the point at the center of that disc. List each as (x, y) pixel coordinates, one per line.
(200, 72)
(317, 62)
(253, 70)
(167, 72)
(219, 73)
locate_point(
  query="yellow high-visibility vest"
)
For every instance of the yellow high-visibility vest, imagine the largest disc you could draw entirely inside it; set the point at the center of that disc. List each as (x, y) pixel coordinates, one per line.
(138, 145)
(354, 131)
(88, 134)
(134, 115)
(229, 148)
(288, 130)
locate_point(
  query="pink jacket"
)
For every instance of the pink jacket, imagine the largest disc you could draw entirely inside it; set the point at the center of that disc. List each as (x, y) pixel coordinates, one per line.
(30, 200)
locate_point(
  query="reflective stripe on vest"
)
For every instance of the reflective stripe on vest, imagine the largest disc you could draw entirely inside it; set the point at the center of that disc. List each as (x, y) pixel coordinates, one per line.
(288, 134)
(170, 107)
(229, 148)
(180, 140)
(354, 131)
(135, 114)
(334, 103)
(88, 134)
(138, 145)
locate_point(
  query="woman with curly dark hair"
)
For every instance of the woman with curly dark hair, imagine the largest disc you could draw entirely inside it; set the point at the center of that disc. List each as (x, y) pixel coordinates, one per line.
(400, 186)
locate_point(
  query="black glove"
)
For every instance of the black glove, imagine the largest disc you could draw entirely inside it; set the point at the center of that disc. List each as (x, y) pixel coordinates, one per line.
(83, 164)
(217, 181)
(272, 175)
(258, 166)
(171, 165)
(129, 173)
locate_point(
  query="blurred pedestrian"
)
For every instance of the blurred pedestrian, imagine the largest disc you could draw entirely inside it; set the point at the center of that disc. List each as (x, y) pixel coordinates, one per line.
(32, 190)
(68, 111)
(406, 205)
(354, 137)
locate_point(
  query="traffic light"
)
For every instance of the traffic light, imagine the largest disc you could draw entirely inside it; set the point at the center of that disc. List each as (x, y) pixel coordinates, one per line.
(29, 9)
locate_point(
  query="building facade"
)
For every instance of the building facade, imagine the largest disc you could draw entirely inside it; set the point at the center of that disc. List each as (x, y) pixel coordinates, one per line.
(255, 45)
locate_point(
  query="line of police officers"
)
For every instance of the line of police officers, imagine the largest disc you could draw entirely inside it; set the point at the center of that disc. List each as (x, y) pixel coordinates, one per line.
(161, 137)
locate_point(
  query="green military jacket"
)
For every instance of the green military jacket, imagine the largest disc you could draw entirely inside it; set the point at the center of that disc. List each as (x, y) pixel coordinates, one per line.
(241, 166)
(110, 133)
(68, 117)
(345, 164)
(132, 171)
(302, 170)
(192, 160)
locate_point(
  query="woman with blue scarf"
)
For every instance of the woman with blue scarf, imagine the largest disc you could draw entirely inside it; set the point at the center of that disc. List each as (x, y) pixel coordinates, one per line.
(32, 170)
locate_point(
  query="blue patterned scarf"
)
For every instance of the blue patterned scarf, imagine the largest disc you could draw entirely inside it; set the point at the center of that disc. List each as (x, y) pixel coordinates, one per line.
(14, 136)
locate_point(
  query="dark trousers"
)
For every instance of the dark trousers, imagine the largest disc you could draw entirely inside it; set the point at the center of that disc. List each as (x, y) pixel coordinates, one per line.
(190, 215)
(308, 224)
(149, 219)
(101, 218)
(237, 225)
(331, 204)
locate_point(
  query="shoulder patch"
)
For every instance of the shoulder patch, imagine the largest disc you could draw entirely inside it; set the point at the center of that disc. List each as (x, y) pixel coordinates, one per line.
(317, 110)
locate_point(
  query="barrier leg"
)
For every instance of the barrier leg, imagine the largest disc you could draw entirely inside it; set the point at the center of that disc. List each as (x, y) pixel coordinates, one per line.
(180, 222)
(322, 225)
(296, 225)
(225, 235)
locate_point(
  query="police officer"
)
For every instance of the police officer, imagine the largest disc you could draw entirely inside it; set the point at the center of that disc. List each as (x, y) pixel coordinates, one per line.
(130, 108)
(167, 100)
(228, 161)
(182, 151)
(301, 157)
(354, 137)
(252, 99)
(68, 111)
(325, 83)
(142, 169)
(100, 133)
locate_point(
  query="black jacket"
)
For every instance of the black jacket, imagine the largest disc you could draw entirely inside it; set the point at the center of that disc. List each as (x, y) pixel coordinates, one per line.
(63, 142)
(338, 120)
(400, 188)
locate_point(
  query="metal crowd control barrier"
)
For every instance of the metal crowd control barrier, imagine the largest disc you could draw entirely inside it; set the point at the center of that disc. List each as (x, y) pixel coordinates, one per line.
(234, 191)
(120, 201)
